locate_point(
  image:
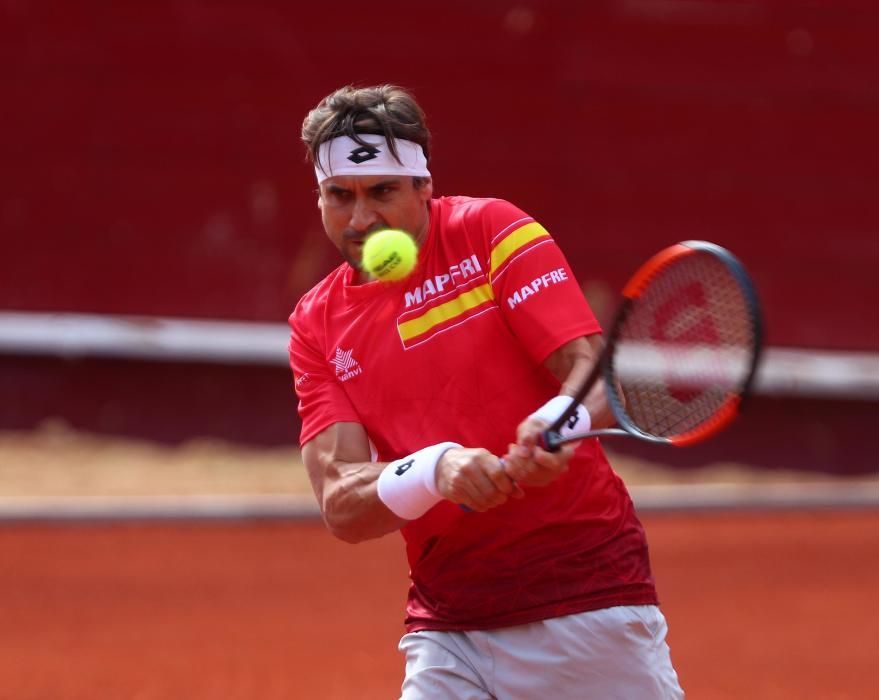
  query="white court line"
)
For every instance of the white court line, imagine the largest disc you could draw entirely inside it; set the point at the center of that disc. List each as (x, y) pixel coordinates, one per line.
(193, 507)
(782, 371)
(668, 498)
(743, 496)
(144, 337)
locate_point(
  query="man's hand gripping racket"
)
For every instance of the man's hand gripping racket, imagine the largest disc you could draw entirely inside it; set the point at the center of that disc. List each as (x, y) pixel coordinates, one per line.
(681, 353)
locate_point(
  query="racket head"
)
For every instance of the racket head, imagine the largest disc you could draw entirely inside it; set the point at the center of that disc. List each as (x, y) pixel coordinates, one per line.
(684, 347)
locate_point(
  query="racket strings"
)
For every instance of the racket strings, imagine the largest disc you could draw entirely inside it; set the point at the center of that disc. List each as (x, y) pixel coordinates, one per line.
(685, 349)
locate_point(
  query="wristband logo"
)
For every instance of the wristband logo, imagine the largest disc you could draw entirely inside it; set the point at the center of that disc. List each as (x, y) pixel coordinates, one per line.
(345, 364)
(403, 468)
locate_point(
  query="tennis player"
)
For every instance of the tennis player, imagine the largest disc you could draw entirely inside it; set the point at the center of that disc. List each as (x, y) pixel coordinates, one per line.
(421, 404)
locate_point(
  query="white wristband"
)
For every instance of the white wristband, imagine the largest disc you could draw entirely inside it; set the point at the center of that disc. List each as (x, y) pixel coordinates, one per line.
(408, 486)
(579, 422)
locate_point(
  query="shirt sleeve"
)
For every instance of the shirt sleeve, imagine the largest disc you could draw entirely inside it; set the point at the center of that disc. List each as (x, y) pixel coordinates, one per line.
(322, 401)
(533, 284)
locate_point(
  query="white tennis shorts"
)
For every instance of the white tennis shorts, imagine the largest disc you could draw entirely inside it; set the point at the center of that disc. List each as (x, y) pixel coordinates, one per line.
(618, 652)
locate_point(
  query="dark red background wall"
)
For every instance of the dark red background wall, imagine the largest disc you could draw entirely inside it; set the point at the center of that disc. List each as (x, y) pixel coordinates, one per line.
(151, 165)
(151, 161)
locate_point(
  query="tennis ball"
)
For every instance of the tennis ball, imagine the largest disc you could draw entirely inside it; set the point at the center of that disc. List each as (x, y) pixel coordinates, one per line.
(389, 255)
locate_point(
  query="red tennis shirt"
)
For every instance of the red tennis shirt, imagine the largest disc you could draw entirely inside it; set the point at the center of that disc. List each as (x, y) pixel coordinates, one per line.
(454, 352)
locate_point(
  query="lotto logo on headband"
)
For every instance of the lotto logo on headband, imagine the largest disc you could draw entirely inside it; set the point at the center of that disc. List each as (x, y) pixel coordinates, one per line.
(363, 154)
(345, 156)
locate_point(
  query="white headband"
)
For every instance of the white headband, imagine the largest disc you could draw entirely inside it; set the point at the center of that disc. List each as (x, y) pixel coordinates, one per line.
(344, 156)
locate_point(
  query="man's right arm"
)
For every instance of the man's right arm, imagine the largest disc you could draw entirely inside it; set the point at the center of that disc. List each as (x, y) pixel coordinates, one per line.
(345, 482)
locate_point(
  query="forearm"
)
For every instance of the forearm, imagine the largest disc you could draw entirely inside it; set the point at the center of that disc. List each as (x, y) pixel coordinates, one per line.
(345, 484)
(350, 505)
(571, 364)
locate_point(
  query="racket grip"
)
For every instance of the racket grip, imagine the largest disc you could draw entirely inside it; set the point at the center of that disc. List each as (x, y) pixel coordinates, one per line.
(470, 510)
(550, 440)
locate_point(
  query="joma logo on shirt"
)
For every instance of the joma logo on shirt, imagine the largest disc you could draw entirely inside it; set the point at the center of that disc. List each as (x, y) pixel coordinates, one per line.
(547, 279)
(345, 364)
(437, 284)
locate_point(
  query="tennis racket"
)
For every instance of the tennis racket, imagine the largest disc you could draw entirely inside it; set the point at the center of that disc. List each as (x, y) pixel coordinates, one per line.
(682, 350)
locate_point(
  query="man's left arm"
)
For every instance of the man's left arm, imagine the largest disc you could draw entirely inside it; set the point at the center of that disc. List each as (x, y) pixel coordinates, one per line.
(544, 307)
(525, 462)
(571, 364)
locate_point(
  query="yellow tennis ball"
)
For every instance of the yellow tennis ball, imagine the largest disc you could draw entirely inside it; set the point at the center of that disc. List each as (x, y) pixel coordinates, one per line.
(389, 255)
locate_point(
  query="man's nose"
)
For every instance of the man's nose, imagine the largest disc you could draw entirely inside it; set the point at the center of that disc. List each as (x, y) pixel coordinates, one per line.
(362, 216)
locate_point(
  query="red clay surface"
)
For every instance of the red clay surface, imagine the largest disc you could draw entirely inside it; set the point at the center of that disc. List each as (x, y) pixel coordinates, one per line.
(769, 605)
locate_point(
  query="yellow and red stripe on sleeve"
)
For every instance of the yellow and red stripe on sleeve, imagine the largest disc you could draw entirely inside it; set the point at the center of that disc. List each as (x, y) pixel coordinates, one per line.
(514, 243)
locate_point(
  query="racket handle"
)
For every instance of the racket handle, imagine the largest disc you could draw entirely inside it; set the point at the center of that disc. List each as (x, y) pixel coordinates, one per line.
(550, 440)
(470, 510)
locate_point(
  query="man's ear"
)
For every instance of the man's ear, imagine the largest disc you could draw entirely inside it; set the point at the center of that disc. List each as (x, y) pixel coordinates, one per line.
(426, 188)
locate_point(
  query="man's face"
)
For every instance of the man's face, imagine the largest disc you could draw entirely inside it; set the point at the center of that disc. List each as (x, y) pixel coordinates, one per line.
(353, 206)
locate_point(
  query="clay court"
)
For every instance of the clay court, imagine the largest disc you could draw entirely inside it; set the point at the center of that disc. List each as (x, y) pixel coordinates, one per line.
(159, 223)
(761, 605)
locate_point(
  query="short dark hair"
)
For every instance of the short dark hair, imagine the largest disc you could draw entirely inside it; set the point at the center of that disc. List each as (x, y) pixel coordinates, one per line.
(385, 110)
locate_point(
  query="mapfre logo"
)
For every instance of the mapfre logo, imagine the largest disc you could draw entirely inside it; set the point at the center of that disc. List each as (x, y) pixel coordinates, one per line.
(345, 364)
